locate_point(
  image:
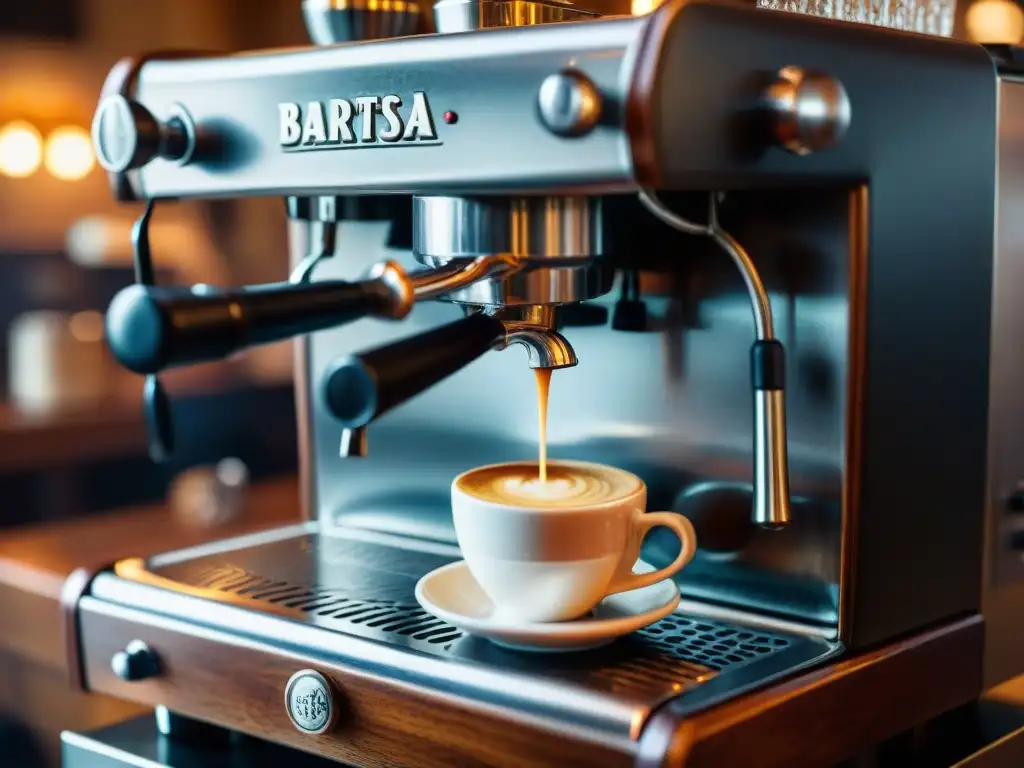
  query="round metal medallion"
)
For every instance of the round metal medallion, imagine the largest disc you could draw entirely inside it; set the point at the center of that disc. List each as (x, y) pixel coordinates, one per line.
(310, 702)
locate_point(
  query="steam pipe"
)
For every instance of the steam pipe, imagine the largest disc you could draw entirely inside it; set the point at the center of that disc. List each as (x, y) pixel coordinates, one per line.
(767, 367)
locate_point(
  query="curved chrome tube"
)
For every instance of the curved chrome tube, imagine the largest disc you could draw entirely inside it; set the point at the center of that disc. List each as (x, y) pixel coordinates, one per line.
(534, 328)
(431, 283)
(759, 300)
(546, 348)
(771, 460)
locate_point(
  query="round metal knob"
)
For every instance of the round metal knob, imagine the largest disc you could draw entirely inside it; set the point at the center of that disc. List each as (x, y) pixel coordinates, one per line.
(136, 662)
(309, 700)
(569, 103)
(810, 111)
(126, 136)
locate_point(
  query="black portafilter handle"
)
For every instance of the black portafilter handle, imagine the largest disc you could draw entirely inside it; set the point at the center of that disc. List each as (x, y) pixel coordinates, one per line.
(359, 388)
(151, 328)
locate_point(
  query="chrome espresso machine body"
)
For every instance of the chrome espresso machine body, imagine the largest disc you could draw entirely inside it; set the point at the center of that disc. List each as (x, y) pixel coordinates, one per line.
(634, 201)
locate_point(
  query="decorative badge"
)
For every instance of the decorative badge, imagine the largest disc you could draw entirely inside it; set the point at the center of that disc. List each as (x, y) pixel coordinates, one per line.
(310, 702)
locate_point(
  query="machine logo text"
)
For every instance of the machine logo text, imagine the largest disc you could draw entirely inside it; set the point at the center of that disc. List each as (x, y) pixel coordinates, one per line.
(363, 121)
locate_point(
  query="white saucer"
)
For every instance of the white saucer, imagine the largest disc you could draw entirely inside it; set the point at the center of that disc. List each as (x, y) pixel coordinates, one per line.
(452, 594)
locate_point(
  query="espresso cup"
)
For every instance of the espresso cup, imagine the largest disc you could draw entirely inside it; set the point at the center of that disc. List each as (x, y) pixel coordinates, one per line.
(552, 551)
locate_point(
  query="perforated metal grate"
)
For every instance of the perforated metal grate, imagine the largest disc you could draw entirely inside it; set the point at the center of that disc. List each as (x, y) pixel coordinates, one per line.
(711, 644)
(704, 647)
(329, 606)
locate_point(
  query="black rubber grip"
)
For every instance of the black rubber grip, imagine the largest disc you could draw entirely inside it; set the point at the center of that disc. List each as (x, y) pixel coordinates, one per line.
(359, 388)
(768, 365)
(150, 329)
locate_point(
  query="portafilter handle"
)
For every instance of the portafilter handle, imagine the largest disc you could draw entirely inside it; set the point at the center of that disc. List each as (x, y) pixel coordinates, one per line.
(152, 328)
(359, 388)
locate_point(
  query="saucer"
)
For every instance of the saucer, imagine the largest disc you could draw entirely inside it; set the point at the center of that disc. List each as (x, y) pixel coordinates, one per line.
(452, 594)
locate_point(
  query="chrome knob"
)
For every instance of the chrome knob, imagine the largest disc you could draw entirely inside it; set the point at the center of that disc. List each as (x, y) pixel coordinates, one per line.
(126, 136)
(810, 111)
(569, 103)
(136, 662)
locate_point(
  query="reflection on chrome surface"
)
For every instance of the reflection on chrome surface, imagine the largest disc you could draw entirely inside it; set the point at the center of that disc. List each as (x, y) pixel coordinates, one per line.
(672, 404)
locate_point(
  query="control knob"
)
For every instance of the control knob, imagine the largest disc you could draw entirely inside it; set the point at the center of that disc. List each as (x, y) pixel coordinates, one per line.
(136, 662)
(126, 135)
(809, 111)
(569, 103)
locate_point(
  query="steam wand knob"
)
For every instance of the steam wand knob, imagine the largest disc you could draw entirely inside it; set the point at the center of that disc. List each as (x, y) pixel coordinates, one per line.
(126, 135)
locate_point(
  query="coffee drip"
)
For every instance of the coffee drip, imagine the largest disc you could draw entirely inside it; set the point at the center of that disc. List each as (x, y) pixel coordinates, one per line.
(543, 376)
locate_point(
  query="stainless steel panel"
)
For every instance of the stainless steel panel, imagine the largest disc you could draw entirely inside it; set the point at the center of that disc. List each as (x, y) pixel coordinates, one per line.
(489, 79)
(673, 404)
(1003, 601)
(137, 743)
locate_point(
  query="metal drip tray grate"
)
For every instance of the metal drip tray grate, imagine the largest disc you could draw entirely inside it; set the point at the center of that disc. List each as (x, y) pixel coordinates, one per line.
(384, 616)
(707, 645)
(366, 589)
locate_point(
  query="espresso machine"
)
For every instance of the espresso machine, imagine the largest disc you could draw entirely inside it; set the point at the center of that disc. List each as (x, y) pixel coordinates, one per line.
(770, 260)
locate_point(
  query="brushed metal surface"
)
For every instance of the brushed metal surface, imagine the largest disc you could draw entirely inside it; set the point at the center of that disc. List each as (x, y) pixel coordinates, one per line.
(465, 15)
(1004, 567)
(488, 79)
(138, 743)
(544, 229)
(344, 21)
(672, 404)
(560, 238)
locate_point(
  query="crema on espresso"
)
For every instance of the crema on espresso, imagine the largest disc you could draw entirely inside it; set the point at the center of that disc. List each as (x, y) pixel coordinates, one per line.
(568, 484)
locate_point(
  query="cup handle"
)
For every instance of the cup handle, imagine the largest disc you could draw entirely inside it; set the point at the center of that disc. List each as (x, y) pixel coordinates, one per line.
(642, 523)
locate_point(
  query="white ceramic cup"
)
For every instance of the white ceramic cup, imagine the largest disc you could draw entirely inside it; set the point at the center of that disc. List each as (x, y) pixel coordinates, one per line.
(544, 564)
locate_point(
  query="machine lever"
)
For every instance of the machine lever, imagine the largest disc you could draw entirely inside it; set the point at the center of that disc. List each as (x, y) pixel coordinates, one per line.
(152, 328)
(360, 388)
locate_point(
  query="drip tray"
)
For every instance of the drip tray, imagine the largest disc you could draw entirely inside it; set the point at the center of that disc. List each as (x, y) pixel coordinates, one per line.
(364, 588)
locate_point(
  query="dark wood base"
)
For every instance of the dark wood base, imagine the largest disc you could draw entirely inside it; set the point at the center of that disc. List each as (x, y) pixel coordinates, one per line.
(240, 685)
(829, 714)
(819, 718)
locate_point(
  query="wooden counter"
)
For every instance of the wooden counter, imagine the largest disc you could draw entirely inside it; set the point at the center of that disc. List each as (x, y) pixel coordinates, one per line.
(35, 561)
(818, 718)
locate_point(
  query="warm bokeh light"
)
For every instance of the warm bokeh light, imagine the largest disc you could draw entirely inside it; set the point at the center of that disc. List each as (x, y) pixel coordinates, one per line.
(86, 326)
(995, 21)
(21, 149)
(640, 7)
(69, 154)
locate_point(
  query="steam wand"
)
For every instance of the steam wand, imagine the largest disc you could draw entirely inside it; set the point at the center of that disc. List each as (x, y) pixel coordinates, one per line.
(768, 370)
